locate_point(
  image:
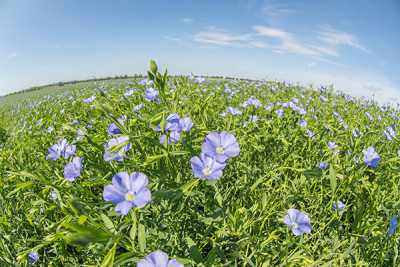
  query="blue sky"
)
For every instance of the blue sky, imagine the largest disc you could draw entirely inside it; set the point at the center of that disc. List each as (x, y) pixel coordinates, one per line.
(353, 44)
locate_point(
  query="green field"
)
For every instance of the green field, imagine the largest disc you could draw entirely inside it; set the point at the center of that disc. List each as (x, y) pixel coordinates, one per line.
(284, 132)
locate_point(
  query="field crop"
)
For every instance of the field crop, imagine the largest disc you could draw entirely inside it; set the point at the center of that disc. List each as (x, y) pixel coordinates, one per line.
(213, 172)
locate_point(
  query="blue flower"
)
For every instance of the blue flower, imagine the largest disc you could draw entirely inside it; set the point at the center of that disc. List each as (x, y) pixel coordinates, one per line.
(73, 169)
(371, 158)
(173, 122)
(128, 191)
(130, 92)
(174, 137)
(158, 259)
(332, 145)
(303, 123)
(146, 82)
(252, 101)
(185, 124)
(206, 167)
(113, 129)
(233, 111)
(280, 113)
(298, 222)
(392, 225)
(338, 205)
(90, 99)
(220, 146)
(138, 107)
(33, 257)
(323, 165)
(62, 148)
(389, 133)
(151, 95)
(116, 148)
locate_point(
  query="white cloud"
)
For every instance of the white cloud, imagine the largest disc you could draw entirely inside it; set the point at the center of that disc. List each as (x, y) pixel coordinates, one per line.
(335, 38)
(187, 20)
(221, 37)
(274, 11)
(288, 42)
(12, 55)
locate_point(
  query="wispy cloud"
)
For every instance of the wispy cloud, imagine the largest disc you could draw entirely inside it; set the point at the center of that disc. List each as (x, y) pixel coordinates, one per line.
(12, 55)
(335, 38)
(275, 11)
(187, 20)
(324, 47)
(287, 41)
(221, 37)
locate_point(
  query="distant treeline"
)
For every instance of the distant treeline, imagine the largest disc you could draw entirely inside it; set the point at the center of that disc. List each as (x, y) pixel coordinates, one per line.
(35, 88)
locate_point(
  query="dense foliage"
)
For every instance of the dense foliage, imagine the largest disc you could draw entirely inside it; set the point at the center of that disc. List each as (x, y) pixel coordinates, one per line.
(300, 148)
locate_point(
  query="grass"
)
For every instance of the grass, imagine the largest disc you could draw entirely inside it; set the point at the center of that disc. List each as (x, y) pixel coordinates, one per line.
(237, 221)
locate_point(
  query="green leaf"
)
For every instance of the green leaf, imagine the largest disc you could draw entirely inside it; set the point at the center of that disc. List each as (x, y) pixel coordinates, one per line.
(108, 223)
(141, 237)
(108, 260)
(133, 230)
(332, 178)
(82, 219)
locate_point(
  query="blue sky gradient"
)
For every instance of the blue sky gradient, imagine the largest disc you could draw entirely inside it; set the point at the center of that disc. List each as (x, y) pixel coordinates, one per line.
(353, 44)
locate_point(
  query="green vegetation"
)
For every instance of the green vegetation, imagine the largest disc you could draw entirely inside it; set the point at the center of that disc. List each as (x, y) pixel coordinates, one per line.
(235, 221)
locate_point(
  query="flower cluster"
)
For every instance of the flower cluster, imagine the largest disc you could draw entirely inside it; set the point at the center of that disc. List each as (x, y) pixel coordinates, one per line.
(174, 127)
(215, 151)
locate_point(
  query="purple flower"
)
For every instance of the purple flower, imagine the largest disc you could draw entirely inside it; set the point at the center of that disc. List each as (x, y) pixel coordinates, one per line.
(69, 151)
(252, 101)
(33, 257)
(389, 133)
(392, 225)
(200, 79)
(90, 99)
(158, 259)
(338, 205)
(113, 129)
(323, 165)
(162, 139)
(146, 82)
(332, 145)
(185, 124)
(371, 158)
(151, 95)
(127, 191)
(280, 113)
(303, 123)
(174, 137)
(220, 146)
(173, 122)
(369, 116)
(138, 107)
(116, 148)
(50, 129)
(233, 111)
(298, 222)
(73, 169)
(206, 167)
(268, 107)
(130, 92)
(62, 148)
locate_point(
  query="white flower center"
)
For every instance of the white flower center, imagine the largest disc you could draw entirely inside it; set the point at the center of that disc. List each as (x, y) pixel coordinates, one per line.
(206, 171)
(129, 196)
(220, 150)
(294, 225)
